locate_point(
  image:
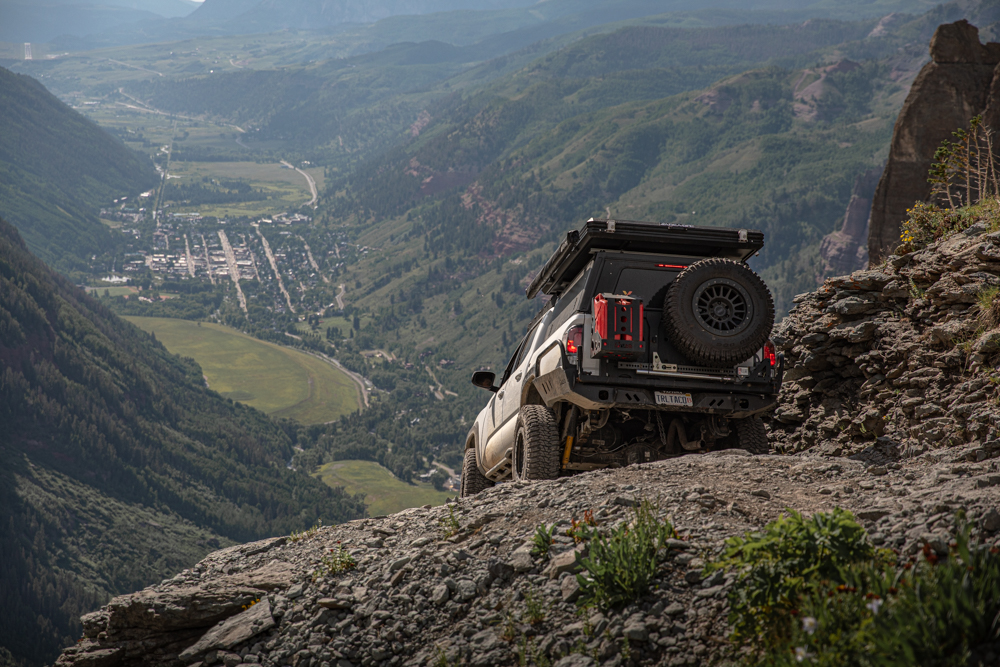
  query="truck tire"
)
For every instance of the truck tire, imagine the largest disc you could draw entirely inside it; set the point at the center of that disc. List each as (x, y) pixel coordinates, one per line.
(536, 452)
(718, 312)
(751, 435)
(473, 481)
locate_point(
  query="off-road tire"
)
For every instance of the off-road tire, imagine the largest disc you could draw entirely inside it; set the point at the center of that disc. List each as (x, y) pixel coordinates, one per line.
(473, 481)
(718, 312)
(536, 452)
(750, 435)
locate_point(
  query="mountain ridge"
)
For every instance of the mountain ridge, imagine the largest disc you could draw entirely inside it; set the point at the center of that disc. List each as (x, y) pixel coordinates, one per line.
(59, 168)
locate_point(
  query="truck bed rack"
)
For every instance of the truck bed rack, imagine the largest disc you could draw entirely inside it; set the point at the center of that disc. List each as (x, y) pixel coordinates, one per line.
(647, 237)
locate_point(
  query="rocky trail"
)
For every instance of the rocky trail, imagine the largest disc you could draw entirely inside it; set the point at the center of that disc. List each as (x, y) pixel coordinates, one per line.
(420, 595)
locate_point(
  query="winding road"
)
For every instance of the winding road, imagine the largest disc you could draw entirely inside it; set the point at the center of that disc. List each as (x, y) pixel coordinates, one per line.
(309, 179)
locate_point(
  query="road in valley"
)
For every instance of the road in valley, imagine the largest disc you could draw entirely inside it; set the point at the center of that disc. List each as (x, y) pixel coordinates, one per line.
(141, 69)
(312, 261)
(208, 259)
(234, 270)
(190, 259)
(274, 267)
(340, 297)
(309, 179)
(359, 382)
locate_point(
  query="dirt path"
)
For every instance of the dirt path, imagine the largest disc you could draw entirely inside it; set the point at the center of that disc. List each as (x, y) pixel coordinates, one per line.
(439, 391)
(340, 296)
(309, 180)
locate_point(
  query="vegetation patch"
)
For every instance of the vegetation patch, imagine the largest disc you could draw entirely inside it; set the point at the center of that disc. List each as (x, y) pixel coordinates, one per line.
(620, 566)
(277, 380)
(384, 493)
(815, 591)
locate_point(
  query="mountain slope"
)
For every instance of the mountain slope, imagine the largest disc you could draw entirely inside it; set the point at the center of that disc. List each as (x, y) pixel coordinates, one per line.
(56, 169)
(118, 465)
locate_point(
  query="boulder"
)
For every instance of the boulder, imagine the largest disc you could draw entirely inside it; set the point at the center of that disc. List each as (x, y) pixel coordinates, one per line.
(233, 631)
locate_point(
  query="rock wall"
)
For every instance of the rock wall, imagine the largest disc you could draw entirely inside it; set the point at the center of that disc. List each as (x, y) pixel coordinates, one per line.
(899, 352)
(955, 86)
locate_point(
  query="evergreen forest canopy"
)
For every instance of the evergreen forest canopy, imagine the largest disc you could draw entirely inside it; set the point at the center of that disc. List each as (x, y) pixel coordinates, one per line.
(117, 465)
(57, 168)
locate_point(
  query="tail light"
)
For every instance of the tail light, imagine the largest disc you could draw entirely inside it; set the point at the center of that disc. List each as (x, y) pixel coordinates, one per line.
(574, 339)
(770, 354)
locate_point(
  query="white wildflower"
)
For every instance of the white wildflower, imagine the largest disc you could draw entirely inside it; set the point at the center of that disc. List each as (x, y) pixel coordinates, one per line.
(809, 624)
(801, 654)
(874, 605)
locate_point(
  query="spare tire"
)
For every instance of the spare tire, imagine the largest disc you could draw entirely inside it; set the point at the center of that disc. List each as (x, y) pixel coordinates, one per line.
(718, 312)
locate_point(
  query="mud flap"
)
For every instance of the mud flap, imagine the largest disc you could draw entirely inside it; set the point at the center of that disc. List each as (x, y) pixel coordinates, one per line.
(553, 386)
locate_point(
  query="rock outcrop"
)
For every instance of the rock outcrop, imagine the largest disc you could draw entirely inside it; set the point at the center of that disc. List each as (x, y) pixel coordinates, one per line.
(459, 584)
(949, 91)
(900, 351)
(846, 250)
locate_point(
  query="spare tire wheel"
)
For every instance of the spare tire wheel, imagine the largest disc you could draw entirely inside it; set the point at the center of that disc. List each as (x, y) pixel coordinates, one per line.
(718, 312)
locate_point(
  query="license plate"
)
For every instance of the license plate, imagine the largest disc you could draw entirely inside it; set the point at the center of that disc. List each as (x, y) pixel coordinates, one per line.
(670, 398)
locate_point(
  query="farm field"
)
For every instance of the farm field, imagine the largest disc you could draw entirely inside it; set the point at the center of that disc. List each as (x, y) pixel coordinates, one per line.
(279, 381)
(286, 188)
(385, 494)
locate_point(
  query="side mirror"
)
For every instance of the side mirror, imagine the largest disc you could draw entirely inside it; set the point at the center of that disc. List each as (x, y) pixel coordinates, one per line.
(484, 379)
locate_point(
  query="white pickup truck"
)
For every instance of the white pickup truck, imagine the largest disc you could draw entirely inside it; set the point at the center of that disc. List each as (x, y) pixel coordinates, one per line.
(654, 343)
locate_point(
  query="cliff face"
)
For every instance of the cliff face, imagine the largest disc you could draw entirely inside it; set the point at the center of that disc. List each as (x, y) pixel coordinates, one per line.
(845, 250)
(955, 86)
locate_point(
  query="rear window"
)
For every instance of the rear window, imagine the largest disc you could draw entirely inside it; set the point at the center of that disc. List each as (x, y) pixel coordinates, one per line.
(568, 304)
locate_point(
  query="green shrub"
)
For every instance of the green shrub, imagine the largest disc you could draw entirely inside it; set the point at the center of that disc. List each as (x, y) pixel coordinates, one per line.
(449, 524)
(930, 613)
(542, 540)
(785, 561)
(619, 567)
(337, 561)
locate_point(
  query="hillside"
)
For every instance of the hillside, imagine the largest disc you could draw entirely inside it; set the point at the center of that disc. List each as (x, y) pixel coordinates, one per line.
(119, 466)
(57, 168)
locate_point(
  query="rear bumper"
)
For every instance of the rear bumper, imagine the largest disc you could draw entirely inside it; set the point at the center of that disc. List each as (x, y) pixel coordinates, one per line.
(758, 394)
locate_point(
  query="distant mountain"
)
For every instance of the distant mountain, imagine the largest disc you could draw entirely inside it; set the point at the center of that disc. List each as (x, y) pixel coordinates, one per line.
(117, 465)
(43, 21)
(56, 169)
(269, 15)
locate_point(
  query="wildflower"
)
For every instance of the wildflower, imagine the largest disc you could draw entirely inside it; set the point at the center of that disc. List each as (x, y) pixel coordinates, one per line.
(801, 654)
(809, 624)
(874, 606)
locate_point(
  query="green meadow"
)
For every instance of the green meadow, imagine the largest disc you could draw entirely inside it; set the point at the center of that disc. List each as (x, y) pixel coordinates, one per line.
(384, 493)
(279, 381)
